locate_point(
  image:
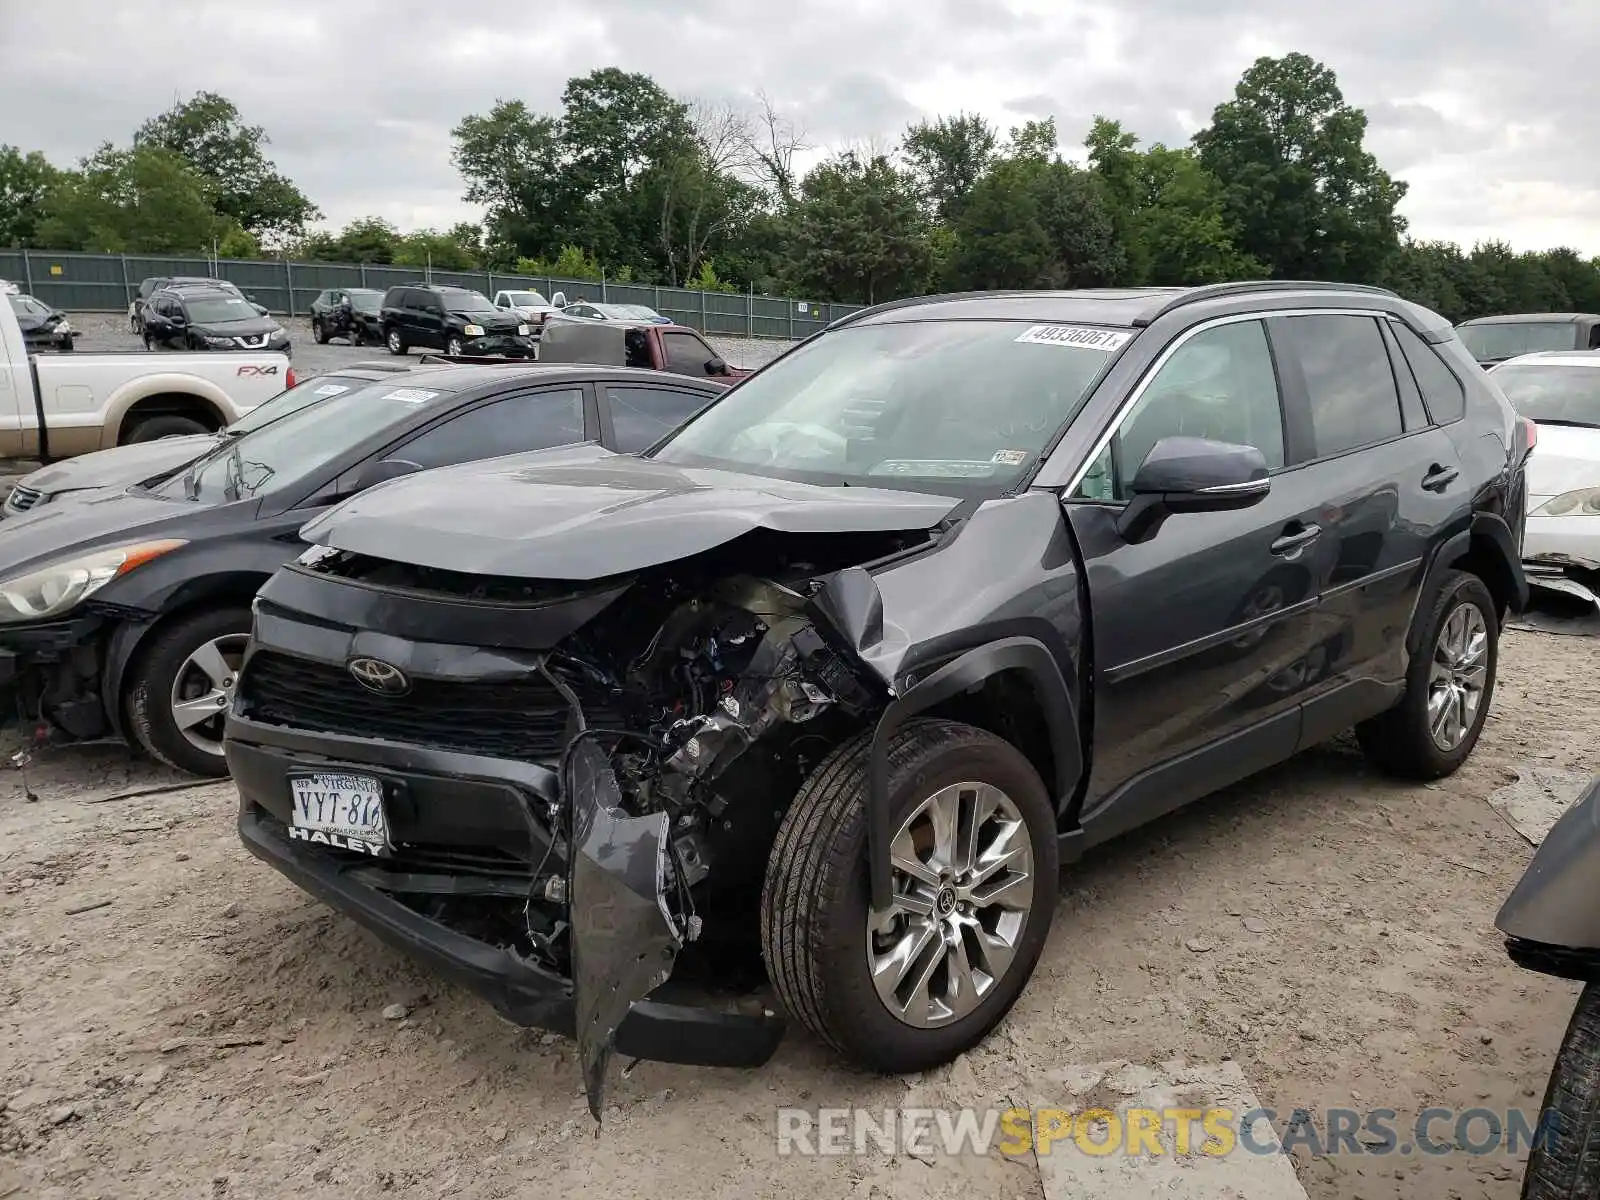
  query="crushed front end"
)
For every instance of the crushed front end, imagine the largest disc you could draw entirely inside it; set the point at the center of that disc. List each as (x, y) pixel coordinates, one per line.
(561, 794)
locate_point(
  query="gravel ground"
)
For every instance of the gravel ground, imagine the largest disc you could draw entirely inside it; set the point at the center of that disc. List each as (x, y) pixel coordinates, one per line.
(176, 1020)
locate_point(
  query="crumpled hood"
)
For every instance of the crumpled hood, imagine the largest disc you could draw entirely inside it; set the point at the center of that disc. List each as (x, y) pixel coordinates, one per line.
(583, 513)
(499, 322)
(121, 466)
(1566, 458)
(243, 327)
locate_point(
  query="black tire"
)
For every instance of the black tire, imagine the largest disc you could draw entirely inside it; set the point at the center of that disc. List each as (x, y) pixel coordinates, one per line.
(1565, 1163)
(1400, 741)
(453, 347)
(396, 342)
(148, 345)
(152, 428)
(147, 692)
(814, 904)
(354, 335)
(319, 333)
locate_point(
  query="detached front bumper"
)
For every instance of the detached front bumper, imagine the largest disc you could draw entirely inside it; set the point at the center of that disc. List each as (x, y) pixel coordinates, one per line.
(1563, 554)
(446, 797)
(504, 345)
(51, 671)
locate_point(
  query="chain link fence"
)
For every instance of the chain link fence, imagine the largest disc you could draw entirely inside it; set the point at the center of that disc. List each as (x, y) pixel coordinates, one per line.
(80, 282)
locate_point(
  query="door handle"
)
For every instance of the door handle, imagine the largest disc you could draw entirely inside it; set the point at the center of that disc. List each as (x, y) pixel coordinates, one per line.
(1438, 478)
(1296, 539)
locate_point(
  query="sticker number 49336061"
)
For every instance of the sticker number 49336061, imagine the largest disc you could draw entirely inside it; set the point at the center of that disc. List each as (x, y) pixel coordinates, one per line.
(1078, 337)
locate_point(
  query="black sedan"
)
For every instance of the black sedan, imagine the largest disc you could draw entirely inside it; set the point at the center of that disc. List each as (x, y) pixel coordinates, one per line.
(128, 611)
(349, 313)
(43, 327)
(209, 319)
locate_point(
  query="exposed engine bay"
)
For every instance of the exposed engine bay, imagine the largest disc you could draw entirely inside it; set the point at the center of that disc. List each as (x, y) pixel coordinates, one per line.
(701, 697)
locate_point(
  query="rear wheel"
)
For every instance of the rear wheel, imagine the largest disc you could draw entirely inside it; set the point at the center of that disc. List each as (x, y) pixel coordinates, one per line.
(1449, 687)
(974, 870)
(395, 342)
(153, 428)
(179, 692)
(1565, 1163)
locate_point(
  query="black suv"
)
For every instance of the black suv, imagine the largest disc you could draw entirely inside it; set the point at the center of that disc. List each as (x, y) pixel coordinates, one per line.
(209, 318)
(842, 671)
(354, 314)
(456, 320)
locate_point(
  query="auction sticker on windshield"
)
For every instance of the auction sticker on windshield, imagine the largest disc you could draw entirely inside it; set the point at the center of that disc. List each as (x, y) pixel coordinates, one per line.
(331, 389)
(410, 395)
(1079, 337)
(342, 811)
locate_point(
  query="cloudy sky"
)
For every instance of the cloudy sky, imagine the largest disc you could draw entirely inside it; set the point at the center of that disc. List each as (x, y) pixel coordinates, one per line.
(1488, 108)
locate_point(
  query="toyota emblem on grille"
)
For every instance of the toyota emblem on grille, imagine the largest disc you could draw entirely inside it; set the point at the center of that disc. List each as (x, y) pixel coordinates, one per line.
(378, 676)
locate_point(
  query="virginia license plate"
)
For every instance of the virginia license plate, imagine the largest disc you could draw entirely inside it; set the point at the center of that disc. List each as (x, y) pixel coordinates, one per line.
(342, 811)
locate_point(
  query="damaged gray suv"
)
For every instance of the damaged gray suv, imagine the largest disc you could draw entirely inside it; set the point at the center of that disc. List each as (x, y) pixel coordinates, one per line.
(800, 711)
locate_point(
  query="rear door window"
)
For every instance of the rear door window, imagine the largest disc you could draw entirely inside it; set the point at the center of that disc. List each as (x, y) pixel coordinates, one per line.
(1349, 380)
(642, 416)
(510, 425)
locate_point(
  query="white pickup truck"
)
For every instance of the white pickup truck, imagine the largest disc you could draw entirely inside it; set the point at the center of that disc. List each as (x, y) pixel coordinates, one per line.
(56, 406)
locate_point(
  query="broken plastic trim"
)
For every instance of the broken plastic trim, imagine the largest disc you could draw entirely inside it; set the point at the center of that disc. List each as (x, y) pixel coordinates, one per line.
(625, 940)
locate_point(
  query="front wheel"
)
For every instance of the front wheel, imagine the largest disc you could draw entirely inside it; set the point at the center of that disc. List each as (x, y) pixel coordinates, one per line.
(1565, 1161)
(1449, 686)
(974, 868)
(319, 333)
(396, 343)
(179, 692)
(453, 347)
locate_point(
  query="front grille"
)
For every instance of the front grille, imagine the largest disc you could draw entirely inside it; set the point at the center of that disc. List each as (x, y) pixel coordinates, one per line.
(254, 341)
(522, 719)
(22, 499)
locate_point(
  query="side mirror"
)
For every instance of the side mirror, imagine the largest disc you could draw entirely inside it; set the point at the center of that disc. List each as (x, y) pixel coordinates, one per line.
(1192, 475)
(715, 366)
(260, 309)
(177, 319)
(383, 471)
(559, 300)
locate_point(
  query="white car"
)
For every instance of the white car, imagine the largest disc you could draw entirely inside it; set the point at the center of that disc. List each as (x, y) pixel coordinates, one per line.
(7, 288)
(1560, 393)
(532, 307)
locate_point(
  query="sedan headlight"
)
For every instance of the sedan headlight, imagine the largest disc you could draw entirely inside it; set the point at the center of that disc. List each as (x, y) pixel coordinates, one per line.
(53, 590)
(473, 331)
(522, 331)
(1582, 502)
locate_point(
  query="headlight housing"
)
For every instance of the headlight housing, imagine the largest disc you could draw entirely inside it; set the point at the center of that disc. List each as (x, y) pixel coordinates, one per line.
(473, 331)
(64, 327)
(55, 589)
(218, 341)
(522, 331)
(1581, 502)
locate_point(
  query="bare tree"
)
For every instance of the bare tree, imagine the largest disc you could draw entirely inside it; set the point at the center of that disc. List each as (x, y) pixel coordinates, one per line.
(770, 146)
(693, 200)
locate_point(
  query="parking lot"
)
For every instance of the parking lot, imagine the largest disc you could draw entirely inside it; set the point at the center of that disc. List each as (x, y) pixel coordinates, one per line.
(177, 1020)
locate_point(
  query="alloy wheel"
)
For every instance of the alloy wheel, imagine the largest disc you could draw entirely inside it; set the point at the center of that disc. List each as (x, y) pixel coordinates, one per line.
(962, 866)
(202, 690)
(1457, 675)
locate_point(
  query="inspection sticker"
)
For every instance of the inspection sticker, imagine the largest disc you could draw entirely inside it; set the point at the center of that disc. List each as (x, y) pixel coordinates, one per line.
(1078, 336)
(410, 395)
(1010, 458)
(330, 389)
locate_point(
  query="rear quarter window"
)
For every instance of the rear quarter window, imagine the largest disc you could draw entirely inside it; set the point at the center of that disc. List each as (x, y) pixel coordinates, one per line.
(1442, 391)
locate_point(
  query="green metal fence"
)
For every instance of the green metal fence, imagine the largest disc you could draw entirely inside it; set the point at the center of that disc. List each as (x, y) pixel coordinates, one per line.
(108, 282)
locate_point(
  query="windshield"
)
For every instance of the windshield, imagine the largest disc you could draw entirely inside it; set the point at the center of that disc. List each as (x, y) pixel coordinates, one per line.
(1489, 343)
(462, 301)
(223, 308)
(365, 301)
(528, 299)
(285, 452)
(26, 306)
(302, 395)
(1568, 395)
(942, 406)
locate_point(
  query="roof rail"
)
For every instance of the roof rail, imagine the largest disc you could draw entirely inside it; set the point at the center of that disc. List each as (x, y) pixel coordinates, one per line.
(1212, 291)
(915, 301)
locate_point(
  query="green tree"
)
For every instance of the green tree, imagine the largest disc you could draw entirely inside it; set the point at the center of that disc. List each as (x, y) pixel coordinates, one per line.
(459, 248)
(208, 133)
(1308, 200)
(860, 232)
(511, 161)
(573, 262)
(25, 181)
(1168, 212)
(140, 201)
(947, 157)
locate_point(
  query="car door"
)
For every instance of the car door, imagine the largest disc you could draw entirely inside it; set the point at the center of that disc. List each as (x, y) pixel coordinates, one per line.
(159, 324)
(431, 323)
(1389, 484)
(636, 416)
(1200, 633)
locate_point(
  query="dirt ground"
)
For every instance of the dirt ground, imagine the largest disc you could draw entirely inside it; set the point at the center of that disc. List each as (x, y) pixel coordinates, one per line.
(178, 1021)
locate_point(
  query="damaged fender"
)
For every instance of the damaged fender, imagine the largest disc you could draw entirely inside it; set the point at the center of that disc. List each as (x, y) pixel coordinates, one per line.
(625, 940)
(1552, 917)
